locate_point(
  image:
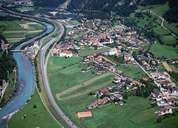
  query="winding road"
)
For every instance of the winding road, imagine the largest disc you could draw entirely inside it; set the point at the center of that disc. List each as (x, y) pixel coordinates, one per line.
(50, 100)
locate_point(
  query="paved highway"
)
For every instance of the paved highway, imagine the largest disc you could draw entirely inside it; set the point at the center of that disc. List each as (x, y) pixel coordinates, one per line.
(56, 110)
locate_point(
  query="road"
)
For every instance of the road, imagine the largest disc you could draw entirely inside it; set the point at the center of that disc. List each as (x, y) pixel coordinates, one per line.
(50, 100)
(149, 75)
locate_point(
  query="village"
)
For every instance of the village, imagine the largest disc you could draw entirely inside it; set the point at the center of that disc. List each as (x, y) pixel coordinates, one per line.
(118, 40)
(165, 96)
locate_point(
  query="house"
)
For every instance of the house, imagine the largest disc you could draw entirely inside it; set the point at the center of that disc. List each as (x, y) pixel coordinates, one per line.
(66, 53)
(65, 49)
(116, 96)
(129, 59)
(112, 52)
(103, 92)
(105, 38)
(165, 111)
(99, 102)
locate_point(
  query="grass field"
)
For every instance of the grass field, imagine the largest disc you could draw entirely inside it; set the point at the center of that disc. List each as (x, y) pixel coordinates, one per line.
(64, 73)
(87, 51)
(33, 115)
(17, 30)
(86, 87)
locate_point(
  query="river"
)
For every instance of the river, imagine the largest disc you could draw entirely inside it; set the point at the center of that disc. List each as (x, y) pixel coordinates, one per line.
(26, 79)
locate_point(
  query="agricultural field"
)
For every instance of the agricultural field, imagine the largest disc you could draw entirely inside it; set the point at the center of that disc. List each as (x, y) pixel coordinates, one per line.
(17, 30)
(33, 115)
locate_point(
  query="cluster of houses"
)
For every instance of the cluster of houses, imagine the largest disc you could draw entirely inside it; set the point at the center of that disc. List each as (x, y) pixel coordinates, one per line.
(114, 94)
(98, 39)
(125, 35)
(32, 51)
(148, 61)
(82, 35)
(100, 63)
(113, 52)
(106, 95)
(125, 83)
(128, 59)
(89, 33)
(120, 35)
(65, 49)
(166, 97)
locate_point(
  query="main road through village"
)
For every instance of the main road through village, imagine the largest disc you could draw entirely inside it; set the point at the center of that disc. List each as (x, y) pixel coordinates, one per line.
(26, 75)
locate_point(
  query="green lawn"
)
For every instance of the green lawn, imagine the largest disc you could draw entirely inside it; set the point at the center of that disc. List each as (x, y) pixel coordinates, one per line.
(86, 87)
(33, 115)
(136, 113)
(164, 51)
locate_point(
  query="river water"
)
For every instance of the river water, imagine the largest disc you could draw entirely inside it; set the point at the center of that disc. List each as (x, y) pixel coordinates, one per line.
(26, 79)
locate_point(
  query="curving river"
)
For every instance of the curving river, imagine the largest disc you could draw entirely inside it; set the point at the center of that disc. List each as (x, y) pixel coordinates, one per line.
(26, 79)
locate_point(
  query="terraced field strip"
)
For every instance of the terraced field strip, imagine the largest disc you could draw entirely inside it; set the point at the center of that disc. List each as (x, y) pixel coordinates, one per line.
(87, 91)
(95, 52)
(15, 39)
(22, 31)
(86, 84)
